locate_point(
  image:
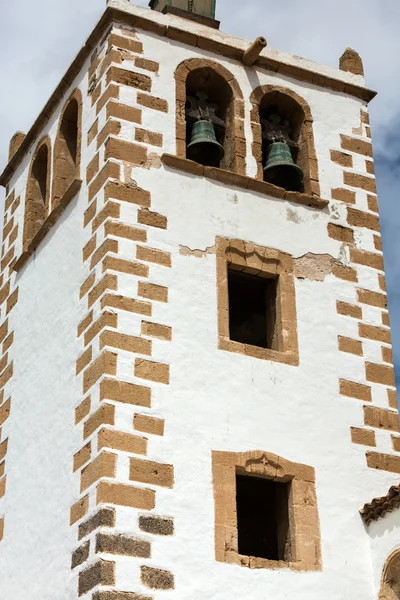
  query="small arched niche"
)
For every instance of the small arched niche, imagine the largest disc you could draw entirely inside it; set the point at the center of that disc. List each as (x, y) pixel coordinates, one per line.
(390, 584)
(279, 114)
(37, 192)
(206, 91)
(67, 148)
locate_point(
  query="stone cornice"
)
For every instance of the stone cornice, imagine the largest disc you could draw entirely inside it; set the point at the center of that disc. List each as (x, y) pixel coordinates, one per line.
(242, 181)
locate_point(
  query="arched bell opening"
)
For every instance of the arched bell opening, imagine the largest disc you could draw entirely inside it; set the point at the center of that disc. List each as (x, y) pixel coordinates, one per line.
(282, 120)
(209, 112)
(37, 193)
(66, 150)
(281, 112)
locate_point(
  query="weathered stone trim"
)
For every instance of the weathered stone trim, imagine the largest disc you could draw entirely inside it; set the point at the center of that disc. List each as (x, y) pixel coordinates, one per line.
(79, 509)
(101, 572)
(92, 168)
(157, 579)
(156, 525)
(8, 299)
(111, 127)
(80, 555)
(363, 437)
(352, 389)
(111, 92)
(340, 233)
(362, 221)
(383, 462)
(130, 44)
(351, 61)
(163, 332)
(152, 102)
(93, 131)
(350, 346)
(15, 143)
(341, 158)
(344, 195)
(363, 182)
(125, 392)
(104, 517)
(119, 595)
(123, 111)
(148, 137)
(250, 258)
(105, 345)
(381, 418)
(304, 553)
(148, 424)
(356, 145)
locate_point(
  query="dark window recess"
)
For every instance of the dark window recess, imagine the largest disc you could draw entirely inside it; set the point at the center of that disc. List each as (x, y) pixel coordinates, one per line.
(39, 171)
(252, 309)
(262, 518)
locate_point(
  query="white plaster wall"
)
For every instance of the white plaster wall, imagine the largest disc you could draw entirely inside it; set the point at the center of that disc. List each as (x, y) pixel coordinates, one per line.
(35, 554)
(38, 540)
(223, 401)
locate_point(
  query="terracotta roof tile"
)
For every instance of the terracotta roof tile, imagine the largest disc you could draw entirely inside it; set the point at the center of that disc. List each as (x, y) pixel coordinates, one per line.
(379, 507)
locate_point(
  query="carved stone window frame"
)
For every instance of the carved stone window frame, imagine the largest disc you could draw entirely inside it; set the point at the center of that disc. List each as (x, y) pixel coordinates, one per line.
(308, 162)
(304, 529)
(236, 136)
(263, 262)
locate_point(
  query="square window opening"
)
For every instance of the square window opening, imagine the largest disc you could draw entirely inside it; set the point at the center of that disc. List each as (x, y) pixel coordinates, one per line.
(253, 309)
(263, 518)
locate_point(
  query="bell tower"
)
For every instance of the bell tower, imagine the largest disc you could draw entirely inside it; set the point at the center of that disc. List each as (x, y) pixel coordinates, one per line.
(202, 11)
(197, 392)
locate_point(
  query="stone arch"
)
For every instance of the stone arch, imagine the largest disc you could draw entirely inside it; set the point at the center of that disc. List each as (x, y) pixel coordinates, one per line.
(67, 147)
(37, 191)
(212, 76)
(390, 583)
(290, 104)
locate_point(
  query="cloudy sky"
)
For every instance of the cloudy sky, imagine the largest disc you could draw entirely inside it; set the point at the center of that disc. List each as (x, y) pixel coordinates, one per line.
(40, 37)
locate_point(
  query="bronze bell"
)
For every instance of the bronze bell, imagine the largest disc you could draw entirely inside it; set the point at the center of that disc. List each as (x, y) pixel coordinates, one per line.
(204, 147)
(280, 168)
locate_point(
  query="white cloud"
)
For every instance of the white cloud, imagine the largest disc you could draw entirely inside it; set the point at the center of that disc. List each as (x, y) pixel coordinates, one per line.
(39, 40)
